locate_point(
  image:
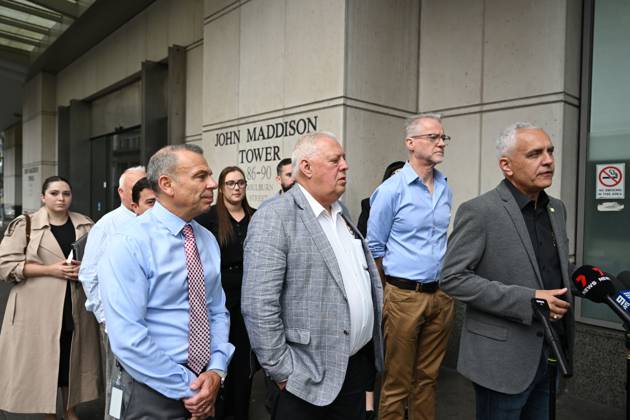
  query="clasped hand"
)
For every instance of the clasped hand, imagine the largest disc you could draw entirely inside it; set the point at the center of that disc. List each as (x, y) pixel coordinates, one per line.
(201, 405)
(64, 270)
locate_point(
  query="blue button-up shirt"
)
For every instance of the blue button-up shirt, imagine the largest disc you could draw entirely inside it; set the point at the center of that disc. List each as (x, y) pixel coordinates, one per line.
(146, 301)
(408, 225)
(97, 242)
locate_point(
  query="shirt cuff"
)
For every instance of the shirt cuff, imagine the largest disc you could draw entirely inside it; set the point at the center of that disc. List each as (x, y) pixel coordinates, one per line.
(218, 362)
(219, 372)
(18, 274)
(377, 252)
(191, 378)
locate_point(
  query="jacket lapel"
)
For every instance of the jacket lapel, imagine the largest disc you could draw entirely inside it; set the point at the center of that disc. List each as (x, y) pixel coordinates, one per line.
(519, 223)
(40, 231)
(318, 236)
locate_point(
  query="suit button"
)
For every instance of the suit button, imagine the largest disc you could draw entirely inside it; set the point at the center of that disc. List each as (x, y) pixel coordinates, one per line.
(539, 334)
(346, 332)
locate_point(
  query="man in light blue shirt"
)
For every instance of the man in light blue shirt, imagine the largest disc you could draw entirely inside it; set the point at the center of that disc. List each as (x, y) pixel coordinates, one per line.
(98, 239)
(146, 295)
(407, 231)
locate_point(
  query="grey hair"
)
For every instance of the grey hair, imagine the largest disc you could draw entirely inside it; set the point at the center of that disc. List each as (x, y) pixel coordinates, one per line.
(306, 147)
(163, 162)
(121, 180)
(412, 122)
(507, 138)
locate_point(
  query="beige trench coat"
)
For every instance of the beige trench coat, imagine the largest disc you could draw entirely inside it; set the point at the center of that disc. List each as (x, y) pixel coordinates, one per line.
(29, 339)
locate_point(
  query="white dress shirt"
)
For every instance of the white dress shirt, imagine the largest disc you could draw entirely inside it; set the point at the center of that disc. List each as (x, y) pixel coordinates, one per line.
(354, 270)
(95, 248)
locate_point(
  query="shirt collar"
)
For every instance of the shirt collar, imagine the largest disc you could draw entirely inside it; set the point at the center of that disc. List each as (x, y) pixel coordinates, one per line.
(126, 210)
(522, 200)
(410, 175)
(317, 208)
(173, 223)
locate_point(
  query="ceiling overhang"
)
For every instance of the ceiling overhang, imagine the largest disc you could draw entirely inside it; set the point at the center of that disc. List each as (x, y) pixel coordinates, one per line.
(47, 36)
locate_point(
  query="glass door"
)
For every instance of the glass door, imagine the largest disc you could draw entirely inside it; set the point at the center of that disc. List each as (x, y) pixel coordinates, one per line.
(111, 155)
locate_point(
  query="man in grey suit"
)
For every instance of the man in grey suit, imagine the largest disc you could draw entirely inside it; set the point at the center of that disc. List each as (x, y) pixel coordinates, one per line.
(312, 296)
(507, 247)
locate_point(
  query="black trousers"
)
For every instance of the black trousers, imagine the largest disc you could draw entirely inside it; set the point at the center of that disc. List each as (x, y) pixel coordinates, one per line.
(238, 384)
(141, 402)
(349, 404)
(234, 397)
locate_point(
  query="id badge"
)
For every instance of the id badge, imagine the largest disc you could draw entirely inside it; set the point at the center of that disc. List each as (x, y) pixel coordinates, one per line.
(115, 404)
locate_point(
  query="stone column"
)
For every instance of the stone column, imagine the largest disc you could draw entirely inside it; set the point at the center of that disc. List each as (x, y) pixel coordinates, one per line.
(39, 128)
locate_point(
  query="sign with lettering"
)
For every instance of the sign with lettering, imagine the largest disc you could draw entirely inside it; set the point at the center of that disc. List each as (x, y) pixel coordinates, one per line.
(31, 187)
(258, 148)
(610, 181)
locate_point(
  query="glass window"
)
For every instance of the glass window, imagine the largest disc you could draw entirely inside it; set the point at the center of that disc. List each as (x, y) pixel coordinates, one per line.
(607, 221)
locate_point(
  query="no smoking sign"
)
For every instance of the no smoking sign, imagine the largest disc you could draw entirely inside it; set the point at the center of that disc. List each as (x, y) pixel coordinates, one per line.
(610, 181)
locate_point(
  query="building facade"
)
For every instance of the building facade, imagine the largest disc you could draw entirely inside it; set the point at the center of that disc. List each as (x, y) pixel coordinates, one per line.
(244, 78)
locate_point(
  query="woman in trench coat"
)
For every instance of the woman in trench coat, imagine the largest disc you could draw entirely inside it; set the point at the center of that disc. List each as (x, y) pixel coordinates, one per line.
(48, 341)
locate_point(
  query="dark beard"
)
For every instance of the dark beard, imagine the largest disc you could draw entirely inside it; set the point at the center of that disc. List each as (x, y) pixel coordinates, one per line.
(285, 189)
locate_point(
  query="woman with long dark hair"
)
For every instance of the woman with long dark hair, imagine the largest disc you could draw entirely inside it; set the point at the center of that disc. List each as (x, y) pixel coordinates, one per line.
(48, 340)
(228, 221)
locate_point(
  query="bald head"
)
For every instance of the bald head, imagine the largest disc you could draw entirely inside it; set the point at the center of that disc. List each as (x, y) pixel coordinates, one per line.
(320, 166)
(126, 182)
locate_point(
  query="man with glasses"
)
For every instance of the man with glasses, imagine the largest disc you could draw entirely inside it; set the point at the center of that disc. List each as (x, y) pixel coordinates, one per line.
(407, 230)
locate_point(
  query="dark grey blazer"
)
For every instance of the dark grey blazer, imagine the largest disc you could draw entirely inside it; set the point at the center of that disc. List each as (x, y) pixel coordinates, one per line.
(294, 302)
(490, 266)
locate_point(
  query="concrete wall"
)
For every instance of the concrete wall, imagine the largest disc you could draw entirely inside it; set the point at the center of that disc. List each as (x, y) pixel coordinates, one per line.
(120, 108)
(266, 62)
(496, 62)
(374, 62)
(381, 89)
(145, 37)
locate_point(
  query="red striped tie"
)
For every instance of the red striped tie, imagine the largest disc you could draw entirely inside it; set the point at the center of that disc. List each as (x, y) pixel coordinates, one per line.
(199, 327)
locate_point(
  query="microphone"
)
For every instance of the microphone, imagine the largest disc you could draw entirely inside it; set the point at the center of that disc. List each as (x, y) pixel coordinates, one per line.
(595, 285)
(622, 283)
(541, 310)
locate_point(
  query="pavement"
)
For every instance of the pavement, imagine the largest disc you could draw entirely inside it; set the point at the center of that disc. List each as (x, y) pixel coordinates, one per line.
(455, 402)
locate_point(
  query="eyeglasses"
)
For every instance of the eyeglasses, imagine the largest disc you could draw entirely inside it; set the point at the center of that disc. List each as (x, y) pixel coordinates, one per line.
(232, 184)
(433, 137)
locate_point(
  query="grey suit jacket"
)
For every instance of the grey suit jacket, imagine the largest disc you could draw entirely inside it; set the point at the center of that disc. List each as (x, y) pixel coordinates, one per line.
(490, 265)
(294, 302)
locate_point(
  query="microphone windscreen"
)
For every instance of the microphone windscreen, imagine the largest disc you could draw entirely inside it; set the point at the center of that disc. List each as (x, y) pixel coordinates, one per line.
(593, 283)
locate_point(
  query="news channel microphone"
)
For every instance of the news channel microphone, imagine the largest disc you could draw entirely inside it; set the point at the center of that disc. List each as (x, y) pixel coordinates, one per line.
(597, 286)
(541, 311)
(622, 283)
